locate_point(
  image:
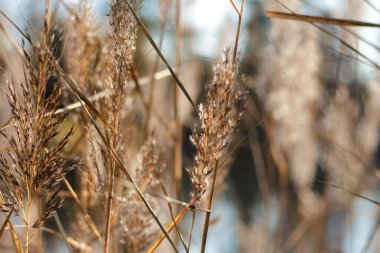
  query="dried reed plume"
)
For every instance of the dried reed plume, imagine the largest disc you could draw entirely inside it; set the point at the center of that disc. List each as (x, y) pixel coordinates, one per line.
(34, 164)
(218, 119)
(123, 32)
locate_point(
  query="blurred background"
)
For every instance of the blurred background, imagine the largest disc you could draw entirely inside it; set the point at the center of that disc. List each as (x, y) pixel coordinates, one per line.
(307, 147)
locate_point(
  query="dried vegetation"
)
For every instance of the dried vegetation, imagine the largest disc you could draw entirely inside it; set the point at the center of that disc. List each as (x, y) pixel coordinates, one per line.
(94, 155)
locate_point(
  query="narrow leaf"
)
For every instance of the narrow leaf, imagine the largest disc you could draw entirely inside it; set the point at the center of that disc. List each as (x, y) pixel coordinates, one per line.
(5, 223)
(320, 20)
(16, 241)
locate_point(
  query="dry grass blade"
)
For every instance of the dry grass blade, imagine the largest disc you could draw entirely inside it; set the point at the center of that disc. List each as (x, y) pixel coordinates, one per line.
(12, 41)
(170, 201)
(151, 41)
(26, 36)
(372, 5)
(6, 125)
(62, 231)
(372, 234)
(366, 41)
(169, 228)
(351, 192)
(85, 214)
(5, 223)
(320, 20)
(15, 240)
(343, 42)
(234, 6)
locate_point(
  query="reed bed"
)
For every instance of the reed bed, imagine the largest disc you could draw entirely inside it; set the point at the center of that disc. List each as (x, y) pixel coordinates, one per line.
(110, 143)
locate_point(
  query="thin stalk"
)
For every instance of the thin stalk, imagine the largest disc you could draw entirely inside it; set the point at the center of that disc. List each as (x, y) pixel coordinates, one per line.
(372, 5)
(208, 214)
(85, 214)
(172, 215)
(178, 135)
(192, 228)
(234, 6)
(372, 234)
(361, 38)
(111, 166)
(27, 221)
(109, 207)
(11, 40)
(135, 78)
(240, 14)
(154, 45)
(355, 194)
(41, 94)
(176, 202)
(62, 231)
(169, 228)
